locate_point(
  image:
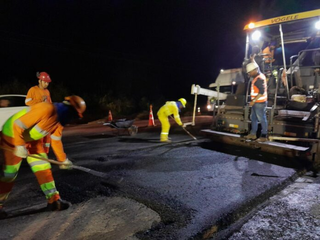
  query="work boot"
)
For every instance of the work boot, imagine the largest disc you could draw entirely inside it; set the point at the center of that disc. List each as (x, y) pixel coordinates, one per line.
(250, 137)
(3, 214)
(262, 138)
(58, 205)
(166, 141)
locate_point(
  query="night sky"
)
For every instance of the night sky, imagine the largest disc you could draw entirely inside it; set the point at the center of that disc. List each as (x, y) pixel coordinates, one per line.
(134, 48)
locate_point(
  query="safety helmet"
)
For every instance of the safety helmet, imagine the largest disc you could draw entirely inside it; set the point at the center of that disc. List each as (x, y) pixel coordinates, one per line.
(77, 102)
(183, 102)
(251, 66)
(43, 76)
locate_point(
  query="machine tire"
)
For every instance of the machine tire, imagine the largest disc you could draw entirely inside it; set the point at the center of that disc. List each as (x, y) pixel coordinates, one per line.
(133, 130)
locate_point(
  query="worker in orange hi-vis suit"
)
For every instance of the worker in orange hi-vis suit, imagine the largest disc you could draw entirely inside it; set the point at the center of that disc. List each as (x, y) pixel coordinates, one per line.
(21, 138)
(269, 52)
(40, 93)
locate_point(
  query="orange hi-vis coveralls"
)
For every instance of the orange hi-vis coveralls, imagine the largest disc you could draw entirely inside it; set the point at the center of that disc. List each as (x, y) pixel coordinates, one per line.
(36, 95)
(270, 54)
(170, 108)
(28, 127)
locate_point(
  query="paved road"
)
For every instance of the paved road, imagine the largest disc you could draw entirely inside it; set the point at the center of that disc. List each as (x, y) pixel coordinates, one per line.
(190, 189)
(200, 190)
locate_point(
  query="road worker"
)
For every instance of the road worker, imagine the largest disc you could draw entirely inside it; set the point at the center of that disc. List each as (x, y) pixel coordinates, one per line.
(21, 138)
(170, 108)
(269, 52)
(258, 103)
(40, 93)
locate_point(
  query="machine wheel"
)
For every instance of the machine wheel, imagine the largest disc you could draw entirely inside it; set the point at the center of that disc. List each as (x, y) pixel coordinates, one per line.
(133, 130)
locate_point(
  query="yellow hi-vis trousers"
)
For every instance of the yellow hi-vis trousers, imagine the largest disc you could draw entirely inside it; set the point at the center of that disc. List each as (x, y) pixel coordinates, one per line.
(165, 127)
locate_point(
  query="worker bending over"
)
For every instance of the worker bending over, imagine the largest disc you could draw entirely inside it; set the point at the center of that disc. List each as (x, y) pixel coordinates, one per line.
(170, 108)
(21, 138)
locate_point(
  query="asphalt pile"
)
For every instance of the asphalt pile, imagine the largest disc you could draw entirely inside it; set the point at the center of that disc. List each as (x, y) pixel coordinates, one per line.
(292, 214)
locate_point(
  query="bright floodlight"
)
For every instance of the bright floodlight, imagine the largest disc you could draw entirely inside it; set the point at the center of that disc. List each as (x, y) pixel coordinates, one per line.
(318, 25)
(221, 70)
(208, 106)
(251, 25)
(256, 35)
(233, 82)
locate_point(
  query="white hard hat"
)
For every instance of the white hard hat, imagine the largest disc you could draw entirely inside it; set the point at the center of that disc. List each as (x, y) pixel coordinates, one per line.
(251, 66)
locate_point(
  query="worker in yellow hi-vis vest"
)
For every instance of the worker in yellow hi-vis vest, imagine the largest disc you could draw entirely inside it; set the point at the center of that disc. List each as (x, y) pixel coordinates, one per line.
(170, 108)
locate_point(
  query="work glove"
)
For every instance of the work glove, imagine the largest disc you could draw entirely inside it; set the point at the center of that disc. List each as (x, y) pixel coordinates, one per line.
(46, 147)
(21, 151)
(67, 164)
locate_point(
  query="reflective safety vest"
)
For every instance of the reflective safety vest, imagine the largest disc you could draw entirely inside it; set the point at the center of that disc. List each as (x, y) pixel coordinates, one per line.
(255, 90)
(34, 123)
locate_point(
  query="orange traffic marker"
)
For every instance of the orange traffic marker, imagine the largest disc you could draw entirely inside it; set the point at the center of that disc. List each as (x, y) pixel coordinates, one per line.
(109, 116)
(151, 119)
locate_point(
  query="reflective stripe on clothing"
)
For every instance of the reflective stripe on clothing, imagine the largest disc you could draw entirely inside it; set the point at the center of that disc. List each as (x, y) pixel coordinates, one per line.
(55, 138)
(255, 90)
(165, 127)
(27, 100)
(7, 128)
(49, 189)
(38, 165)
(20, 124)
(37, 133)
(37, 95)
(41, 168)
(10, 172)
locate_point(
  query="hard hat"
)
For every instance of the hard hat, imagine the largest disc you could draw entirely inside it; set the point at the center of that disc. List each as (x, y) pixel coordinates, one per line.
(183, 102)
(43, 76)
(251, 66)
(77, 102)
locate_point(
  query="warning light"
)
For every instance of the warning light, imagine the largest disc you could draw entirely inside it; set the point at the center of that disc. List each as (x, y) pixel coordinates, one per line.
(251, 25)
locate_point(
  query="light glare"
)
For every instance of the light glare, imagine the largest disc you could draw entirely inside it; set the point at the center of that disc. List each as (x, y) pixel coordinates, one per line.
(318, 25)
(251, 25)
(256, 35)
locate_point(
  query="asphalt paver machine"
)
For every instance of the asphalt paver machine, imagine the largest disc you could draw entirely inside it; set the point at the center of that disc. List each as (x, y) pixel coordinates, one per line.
(293, 76)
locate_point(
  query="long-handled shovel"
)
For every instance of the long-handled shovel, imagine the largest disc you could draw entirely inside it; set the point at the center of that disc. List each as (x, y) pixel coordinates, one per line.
(186, 131)
(84, 169)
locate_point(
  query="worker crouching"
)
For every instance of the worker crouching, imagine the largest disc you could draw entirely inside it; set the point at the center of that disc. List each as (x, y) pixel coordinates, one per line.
(170, 108)
(21, 137)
